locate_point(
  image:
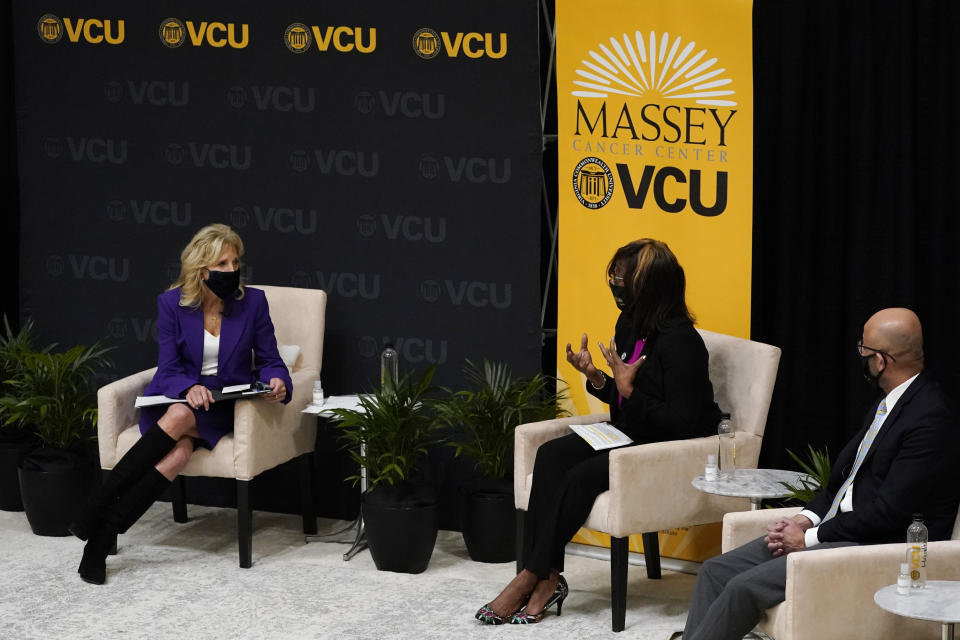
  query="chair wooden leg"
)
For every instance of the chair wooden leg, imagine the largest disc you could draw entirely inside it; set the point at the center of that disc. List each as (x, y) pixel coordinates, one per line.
(651, 554)
(178, 498)
(244, 524)
(521, 516)
(306, 494)
(619, 552)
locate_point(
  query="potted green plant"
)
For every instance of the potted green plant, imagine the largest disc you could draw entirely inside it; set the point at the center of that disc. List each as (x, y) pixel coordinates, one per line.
(817, 468)
(483, 419)
(53, 395)
(15, 440)
(388, 437)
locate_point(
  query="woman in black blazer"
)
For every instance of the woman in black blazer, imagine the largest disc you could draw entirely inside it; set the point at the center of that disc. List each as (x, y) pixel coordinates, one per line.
(658, 389)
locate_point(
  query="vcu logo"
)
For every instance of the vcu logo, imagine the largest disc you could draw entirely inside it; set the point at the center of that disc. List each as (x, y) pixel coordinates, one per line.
(337, 162)
(592, 182)
(173, 33)
(92, 150)
(93, 30)
(210, 155)
(474, 170)
(157, 93)
(427, 44)
(412, 350)
(283, 99)
(299, 36)
(410, 104)
(83, 267)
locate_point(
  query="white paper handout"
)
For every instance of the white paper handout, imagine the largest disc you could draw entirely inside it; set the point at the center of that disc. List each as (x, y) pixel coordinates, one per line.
(235, 388)
(334, 402)
(153, 401)
(601, 435)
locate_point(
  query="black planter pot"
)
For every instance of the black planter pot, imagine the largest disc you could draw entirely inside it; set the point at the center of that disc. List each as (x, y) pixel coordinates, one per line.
(488, 522)
(11, 453)
(53, 493)
(400, 537)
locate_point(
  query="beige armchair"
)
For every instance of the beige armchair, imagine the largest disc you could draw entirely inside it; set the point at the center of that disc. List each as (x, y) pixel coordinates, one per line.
(650, 486)
(830, 592)
(264, 435)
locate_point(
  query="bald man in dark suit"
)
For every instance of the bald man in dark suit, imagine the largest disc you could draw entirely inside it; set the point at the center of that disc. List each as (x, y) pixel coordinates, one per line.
(899, 463)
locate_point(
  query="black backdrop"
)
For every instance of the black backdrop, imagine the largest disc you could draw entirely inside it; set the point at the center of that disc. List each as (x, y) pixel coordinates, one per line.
(403, 182)
(855, 187)
(373, 175)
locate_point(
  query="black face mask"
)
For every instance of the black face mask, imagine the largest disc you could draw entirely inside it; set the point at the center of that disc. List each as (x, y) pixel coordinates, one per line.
(619, 295)
(874, 380)
(223, 283)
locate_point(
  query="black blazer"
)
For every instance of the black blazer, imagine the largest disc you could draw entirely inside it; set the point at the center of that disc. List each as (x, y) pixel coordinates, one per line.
(672, 396)
(910, 468)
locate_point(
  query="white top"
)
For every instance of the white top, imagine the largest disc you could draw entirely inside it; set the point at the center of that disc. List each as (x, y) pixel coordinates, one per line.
(211, 349)
(811, 539)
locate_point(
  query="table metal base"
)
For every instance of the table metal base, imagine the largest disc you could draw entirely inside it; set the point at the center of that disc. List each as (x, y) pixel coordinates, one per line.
(353, 534)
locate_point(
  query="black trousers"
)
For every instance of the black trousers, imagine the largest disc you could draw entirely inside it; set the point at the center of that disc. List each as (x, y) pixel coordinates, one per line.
(568, 475)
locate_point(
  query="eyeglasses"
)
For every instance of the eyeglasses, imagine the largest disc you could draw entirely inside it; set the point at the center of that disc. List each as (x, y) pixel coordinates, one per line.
(861, 347)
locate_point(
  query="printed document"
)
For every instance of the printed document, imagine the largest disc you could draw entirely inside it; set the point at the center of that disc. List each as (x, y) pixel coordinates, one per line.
(601, 435)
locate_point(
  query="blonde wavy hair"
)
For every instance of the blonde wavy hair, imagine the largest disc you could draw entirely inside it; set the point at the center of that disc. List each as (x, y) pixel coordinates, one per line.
(202, 251)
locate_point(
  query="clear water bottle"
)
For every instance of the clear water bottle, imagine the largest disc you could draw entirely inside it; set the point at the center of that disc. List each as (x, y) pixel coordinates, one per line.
(728, 447)
(917, 537)
(389, 361)
(318, 393)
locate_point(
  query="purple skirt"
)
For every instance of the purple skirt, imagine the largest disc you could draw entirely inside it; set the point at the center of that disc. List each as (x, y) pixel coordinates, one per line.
(212, 424)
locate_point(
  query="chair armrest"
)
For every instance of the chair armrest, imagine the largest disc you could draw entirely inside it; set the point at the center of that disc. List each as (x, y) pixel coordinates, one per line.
(651, 490)
(115, 412)
(267, 434)
(830, 591)
(527, 438)
(742, 527)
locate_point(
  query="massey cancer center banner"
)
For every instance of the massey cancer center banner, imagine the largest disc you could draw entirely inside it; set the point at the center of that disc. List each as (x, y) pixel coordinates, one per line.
(655, 123)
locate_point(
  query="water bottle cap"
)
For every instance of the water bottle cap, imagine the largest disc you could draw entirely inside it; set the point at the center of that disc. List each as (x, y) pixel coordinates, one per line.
(904, 567)
(711, 459)
(918, 516)
(724, 416)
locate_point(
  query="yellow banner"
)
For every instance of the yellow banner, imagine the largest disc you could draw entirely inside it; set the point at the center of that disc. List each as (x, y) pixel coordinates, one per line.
(655, 123)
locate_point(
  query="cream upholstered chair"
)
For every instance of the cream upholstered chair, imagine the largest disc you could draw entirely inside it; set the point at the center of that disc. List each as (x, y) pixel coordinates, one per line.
(264, 435)
(829, 593)
(650, 486)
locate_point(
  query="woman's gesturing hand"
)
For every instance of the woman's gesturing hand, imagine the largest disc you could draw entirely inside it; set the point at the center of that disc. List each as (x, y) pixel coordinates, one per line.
(623, 373)
(278, 391)
(582, 361)
(199, 396)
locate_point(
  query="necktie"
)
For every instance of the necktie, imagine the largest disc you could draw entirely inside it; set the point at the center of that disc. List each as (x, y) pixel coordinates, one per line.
(861, 454)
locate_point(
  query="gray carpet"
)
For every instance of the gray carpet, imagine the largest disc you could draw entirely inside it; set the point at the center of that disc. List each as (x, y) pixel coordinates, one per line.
(183, 582)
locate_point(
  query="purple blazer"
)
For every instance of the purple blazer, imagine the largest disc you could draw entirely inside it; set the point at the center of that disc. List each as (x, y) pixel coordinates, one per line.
(248, 346)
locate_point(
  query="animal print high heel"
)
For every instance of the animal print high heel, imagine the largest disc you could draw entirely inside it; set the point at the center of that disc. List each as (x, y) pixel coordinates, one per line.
(486, 615)
(559, 595)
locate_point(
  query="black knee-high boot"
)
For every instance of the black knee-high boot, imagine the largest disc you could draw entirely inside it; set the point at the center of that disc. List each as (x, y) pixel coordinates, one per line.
(117, 518)
(150, 449)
